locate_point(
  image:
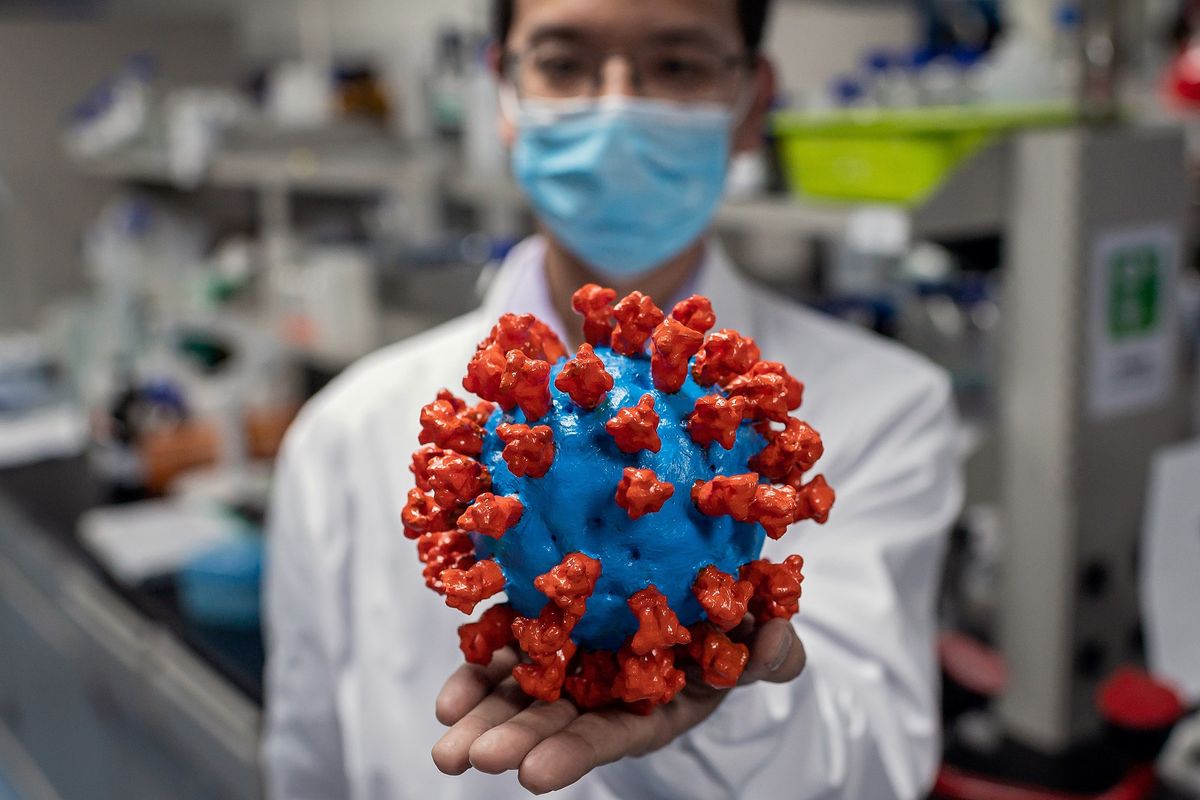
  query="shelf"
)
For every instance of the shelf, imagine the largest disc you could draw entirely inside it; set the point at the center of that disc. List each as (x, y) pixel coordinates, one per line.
(970, 204)
(362, 169)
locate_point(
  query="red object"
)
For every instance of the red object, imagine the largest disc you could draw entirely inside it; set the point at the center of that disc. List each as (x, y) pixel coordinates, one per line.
(529, 452)
(595, 304)
(696, 312)
(465, 589)
(725, 355)
(640, 492)
(776, 588)
(815, 499)
(674, 344)
(775, 508)
(635, 429)
(543, 679)
(716, 419)
(442, 425)
(485, 371)
(723, 598)
(767, 395)
(795, 389)
(480, 640)
(585, 379)
(530, 335)
(797, 446)
(651, 677)
(546, 635)
(591, 687)
(729, 495)
(1135, 700)
(420, 465)
(658, 627)
(721, 660)
(571, 583)
(527, 381)
(491, 515)
(442, 551)
(422, 515)
(456, 480)
(637, 317)
(972, 664)
(955, 784)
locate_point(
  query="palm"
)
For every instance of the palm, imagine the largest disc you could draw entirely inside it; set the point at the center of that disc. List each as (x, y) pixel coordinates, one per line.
(496, 728)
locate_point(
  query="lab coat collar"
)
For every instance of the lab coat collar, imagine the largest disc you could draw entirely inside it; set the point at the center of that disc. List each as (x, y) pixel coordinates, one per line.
(519, 286)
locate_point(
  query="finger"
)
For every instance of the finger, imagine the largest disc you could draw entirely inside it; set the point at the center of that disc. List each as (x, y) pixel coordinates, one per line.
(504, 747)
(590, 741)
(776, 654)
(469, 684)
(451, 754)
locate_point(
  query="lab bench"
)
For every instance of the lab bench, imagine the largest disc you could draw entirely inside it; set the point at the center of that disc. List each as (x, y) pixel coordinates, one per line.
(110, 690)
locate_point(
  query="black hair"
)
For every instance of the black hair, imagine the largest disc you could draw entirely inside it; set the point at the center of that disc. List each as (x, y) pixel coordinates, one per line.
(752, 17)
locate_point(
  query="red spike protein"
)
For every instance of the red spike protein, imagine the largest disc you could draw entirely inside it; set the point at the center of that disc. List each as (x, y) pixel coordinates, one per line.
(586, 488)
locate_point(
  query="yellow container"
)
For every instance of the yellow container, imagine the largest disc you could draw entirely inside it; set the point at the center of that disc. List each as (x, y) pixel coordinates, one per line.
(893, 156)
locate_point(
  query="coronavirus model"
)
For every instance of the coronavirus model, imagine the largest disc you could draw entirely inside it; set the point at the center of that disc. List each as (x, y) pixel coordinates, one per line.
(619, 497)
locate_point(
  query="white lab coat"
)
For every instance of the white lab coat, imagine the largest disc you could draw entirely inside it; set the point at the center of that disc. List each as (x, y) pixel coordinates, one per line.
(359, 647)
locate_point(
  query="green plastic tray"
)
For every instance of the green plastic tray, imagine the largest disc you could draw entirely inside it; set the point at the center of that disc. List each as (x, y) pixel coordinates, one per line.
(893, 156)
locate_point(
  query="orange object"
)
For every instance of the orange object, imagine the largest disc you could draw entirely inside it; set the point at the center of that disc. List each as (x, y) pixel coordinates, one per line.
(585, 379)
(723, 598)
(722, 661)
(650, 677)
(696, 312)
(571, 583)
(716, 419)
(776, 588)
(543, 679)
(527, 382)
(480, 640)
(595, 303)
(726, 495)
(775, 508)
(527, 451)
(467, 588)
(725, 355)
(640, 492)
(658, 627)
(491, 515)
(674, 344)
(637, 317)
(636, 428)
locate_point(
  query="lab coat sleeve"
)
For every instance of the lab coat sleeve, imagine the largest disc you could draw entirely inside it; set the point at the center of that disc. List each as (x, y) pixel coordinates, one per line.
(302, 749)
(862, 720)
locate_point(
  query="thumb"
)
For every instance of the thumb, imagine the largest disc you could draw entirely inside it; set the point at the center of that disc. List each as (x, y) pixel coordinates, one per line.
(776, 654)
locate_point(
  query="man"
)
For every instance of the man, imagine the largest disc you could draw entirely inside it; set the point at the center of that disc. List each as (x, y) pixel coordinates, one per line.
(622, 115)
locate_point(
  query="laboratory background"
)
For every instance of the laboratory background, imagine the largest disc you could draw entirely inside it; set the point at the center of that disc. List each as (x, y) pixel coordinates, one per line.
(210, 208)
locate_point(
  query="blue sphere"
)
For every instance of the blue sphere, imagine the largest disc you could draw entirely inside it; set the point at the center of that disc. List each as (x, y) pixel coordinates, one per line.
(573, 507)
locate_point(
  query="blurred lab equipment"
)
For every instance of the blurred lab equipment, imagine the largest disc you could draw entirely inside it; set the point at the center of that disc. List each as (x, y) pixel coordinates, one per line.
(114, 113)
(37, 419)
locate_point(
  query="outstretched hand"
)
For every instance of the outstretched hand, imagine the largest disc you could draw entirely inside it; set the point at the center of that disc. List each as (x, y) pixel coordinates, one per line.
(495, 727)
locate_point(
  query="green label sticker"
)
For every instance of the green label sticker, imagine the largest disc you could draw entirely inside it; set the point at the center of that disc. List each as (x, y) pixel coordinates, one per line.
(1134, 284)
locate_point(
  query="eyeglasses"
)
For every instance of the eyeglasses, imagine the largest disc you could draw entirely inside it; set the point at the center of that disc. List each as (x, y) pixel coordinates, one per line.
(682, 73)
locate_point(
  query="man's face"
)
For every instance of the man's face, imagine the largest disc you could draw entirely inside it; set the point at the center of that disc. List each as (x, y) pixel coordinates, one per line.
(655, 28)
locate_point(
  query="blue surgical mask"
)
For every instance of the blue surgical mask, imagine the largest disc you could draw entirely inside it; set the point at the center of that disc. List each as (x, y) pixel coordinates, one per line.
(623, 183)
